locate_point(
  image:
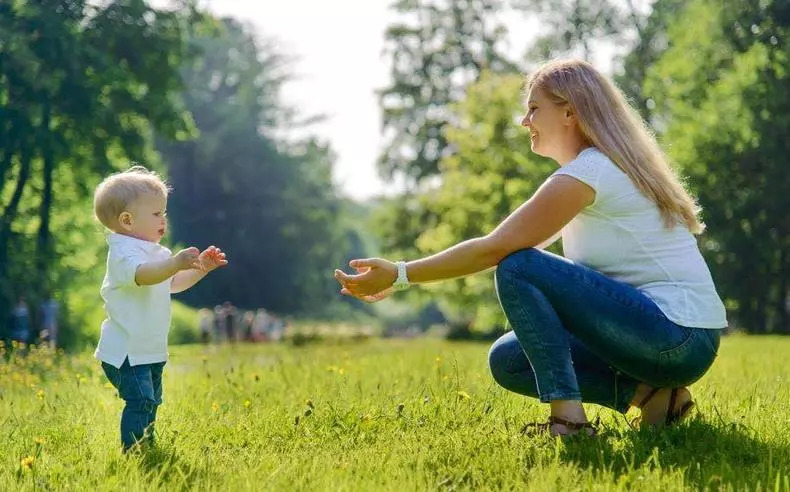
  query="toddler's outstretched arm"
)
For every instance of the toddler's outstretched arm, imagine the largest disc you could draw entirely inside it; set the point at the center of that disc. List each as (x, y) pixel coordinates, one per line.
(156, 272)
(210, 259)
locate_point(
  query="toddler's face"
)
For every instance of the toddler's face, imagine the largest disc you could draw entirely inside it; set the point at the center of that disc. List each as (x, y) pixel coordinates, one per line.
(147, 217)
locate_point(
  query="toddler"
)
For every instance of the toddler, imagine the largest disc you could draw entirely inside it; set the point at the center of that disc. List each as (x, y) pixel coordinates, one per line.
(141, 275)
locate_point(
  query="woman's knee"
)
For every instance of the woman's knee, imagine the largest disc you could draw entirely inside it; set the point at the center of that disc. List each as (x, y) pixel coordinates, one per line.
(518, 261)
(518, 276)
(500, 357)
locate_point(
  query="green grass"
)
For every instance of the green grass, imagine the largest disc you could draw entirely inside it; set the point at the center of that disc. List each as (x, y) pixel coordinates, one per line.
(382, 415)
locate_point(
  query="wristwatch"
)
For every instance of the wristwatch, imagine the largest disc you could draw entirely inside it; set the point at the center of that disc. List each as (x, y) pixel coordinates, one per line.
(402, 282)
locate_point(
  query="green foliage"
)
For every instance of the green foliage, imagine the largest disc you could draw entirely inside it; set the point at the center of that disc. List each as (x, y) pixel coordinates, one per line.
(721, 90)
(651, 42)
(380, 415)
(437, 48)
(490, 173)
(75, 104)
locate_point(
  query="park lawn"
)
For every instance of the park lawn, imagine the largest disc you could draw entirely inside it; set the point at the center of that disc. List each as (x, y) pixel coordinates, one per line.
(379, 415)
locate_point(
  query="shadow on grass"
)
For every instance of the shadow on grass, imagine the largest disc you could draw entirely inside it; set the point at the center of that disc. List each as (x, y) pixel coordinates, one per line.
(163, 464)
(711, 454)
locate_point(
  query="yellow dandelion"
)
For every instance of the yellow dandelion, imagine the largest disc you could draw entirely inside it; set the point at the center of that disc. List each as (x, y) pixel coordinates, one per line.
(341, 371)
(39, 441)
(463, 395)
(214, 406)
(438, 360)
(40, 394)
(27, 462)
(247, 403)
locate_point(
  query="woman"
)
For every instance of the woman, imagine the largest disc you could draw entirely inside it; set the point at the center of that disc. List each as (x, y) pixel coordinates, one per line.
(630, 315)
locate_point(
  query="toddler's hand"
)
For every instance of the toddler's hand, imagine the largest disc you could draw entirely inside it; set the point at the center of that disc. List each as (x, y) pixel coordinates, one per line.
(188, 258)
(212, 258)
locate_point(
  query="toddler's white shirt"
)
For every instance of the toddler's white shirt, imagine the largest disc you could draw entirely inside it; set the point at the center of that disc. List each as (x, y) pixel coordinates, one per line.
(138, 316)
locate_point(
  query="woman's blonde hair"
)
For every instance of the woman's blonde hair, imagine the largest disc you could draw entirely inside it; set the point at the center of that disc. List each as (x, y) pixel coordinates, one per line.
(609, 123)
(119, 190)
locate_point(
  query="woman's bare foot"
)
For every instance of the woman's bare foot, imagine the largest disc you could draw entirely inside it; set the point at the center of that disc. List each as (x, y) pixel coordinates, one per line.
(655, 410)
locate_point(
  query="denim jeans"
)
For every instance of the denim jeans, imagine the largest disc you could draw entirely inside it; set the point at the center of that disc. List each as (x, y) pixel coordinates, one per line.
(141, 388)
(579, 335)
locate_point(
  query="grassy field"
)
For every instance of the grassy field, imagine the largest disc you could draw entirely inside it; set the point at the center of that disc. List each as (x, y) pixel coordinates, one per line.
(379, 415)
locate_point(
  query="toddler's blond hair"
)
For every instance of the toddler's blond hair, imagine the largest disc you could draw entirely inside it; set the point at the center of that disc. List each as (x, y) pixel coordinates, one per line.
(117, 191)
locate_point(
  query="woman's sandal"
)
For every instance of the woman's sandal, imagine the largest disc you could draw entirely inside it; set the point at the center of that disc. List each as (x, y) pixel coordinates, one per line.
(534, 428)
(672, 417)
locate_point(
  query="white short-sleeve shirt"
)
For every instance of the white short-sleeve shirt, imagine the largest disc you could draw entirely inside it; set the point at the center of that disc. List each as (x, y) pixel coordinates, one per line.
(138, 316)
(622, 235)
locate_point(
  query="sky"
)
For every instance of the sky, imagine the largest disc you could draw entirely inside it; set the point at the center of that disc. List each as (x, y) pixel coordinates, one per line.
(337, 48)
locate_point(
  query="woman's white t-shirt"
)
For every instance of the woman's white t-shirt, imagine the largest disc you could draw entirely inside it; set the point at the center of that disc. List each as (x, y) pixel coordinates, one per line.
(622, 235)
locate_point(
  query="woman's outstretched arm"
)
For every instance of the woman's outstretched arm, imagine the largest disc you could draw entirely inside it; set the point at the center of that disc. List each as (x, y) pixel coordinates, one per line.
(555, 203)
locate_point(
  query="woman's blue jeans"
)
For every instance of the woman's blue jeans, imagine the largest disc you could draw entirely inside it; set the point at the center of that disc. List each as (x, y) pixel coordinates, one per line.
(141, 388)
(579, 335)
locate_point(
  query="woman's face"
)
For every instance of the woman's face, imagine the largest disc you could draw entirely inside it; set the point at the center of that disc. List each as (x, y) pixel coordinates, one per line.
(550, 125)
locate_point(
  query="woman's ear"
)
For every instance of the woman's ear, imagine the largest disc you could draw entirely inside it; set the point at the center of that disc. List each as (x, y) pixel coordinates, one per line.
(570, 115)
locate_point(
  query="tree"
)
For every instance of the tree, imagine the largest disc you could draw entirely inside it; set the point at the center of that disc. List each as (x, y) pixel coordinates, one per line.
(721, 90)
(651, 43)
(576, 24)
(80, 86)
(438, 48)
(270, 204)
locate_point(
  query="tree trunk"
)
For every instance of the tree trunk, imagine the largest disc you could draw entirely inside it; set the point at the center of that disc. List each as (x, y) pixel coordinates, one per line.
(784, 316)
(5, 164)
(9, 149)
(9, 214)
(44, 247)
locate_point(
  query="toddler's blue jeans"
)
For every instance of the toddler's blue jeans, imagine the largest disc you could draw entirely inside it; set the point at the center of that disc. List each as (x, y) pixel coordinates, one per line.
(141, 388)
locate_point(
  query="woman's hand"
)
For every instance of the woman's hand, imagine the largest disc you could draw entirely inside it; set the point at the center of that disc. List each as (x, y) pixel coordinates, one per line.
(372, 282)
